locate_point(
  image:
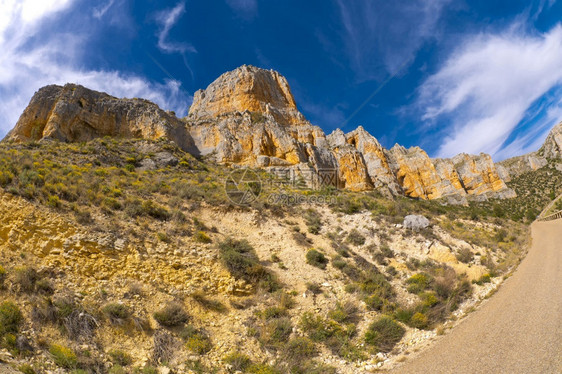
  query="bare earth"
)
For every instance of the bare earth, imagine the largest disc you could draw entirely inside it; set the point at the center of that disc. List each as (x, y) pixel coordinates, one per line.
(518, 330)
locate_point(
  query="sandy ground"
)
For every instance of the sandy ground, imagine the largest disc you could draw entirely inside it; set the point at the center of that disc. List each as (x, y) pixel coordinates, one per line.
(519, 330)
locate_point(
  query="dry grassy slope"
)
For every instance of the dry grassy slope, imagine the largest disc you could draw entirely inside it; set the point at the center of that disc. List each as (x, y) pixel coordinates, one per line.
(105, 258)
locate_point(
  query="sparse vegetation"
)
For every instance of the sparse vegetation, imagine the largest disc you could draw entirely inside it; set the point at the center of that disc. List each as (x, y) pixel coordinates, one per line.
(172, 315)
(316, 258)
(160, 214)
(384, 333)
(240, 259)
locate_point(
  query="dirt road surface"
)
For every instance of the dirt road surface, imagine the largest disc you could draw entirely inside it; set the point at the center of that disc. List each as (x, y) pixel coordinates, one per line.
(518, 330)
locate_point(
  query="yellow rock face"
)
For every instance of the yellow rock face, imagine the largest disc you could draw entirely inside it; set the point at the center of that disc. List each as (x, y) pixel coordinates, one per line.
(76, 114)
(478, 174)
(352, 170)
(248, 89)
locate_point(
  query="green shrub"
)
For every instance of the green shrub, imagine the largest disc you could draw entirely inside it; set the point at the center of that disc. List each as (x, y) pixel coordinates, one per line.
(239, 257)
(120, 357)
(374, 302)
(117, 313)
(53, 201)
(10, 317)
(313, 221)
(344, 312)
(465, 255)
(63, 356)
(199, 344)
(485, 278)
(173, 314)
(26, 278)
(318, 328)
(201, 237)
(419, 282)
(315, 258)
(419, 320)
(355, 237)
(238, 361)
(2, 276)
(299, 349)
(196, 340)
(384, 333)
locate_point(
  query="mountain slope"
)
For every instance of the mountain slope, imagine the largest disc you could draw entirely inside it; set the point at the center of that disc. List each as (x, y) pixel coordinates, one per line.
(249, 117)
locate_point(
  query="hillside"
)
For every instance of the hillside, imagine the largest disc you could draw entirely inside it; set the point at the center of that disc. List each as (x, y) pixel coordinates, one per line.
(249, 117)
(242, 238)
(127, 253)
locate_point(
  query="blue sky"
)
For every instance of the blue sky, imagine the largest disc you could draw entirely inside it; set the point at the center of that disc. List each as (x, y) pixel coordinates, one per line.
(448, 75)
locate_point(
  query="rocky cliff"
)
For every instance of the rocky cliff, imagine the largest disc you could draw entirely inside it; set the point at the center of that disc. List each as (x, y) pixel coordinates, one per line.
(249, 117)
(76, 114)
(550, 150)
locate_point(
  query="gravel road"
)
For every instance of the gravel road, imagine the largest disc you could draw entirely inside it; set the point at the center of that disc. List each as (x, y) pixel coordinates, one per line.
(518, 330)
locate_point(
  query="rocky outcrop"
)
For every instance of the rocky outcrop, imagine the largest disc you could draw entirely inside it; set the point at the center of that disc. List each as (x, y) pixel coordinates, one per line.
(76, 114)
(417, 174)
(248, 88)
(552, 147)
(249, 117)
(478, 176)
(516, 166)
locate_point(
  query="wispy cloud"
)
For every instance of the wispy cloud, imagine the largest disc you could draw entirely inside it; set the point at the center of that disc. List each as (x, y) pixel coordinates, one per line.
(26, 66)
(100, 11)
(167, 20)
(485, 88)
(380, 36)
(247, 9)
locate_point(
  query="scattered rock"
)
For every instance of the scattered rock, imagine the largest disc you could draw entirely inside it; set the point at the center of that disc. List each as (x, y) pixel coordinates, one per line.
(415, 222)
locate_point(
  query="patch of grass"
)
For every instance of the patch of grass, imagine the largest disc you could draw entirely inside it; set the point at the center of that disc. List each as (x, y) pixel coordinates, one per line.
(299, 349)
(355, 237)
(240, 258)
(384, 333)
(117, 313)
(196, 340)
(172, 315)
(313, 221)
(238, 361)
(2, 276)
(202, 237)
(419, 282)
(316, 258)
(63, 356)
(465, 255)
(11, 318)
(120, 357)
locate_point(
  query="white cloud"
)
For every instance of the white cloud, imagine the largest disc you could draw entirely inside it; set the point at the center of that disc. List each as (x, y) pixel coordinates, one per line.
(381, 36)
(25, 67)
(168, 19)
(488, 84)
(100, 11)
(245, 8)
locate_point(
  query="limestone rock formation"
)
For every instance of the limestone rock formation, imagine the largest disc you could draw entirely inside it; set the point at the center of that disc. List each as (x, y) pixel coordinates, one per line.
(417, 174)
(552, 147)
(251, 89)
(515, 166)
(479, 176)
(249, 117)
(75, 114)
